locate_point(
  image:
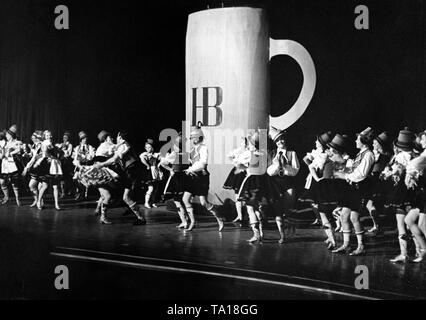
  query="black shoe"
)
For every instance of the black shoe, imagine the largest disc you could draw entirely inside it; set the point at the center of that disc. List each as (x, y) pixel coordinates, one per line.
(139, 222)
(127, 212)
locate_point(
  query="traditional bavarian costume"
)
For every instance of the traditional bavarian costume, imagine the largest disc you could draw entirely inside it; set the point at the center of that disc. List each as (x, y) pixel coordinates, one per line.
(99, 177)
(317, 158)
(255, 188)
(326, 191)
(381, 160)
(152, 175)
(12, 165)
(130, 165)
(175, 187)
(36, 172)
(83, 154)
(237, 174)
(284, 167)
(47, 166)
(415, 180)
(394, 173)
(357, 189)
(198, 183)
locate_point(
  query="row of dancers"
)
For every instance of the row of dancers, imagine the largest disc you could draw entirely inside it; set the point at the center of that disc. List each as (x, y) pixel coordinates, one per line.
(385, 175)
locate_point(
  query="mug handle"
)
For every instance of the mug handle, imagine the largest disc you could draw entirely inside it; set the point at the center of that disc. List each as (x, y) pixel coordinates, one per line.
(304, 59)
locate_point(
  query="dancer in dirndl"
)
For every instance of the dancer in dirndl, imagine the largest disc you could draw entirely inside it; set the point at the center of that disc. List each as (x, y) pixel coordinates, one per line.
(35, 182)
(101, 178)
(11, 165)
(382, 156)
(325, 190)
(176, 162)
(129, 175)
(355, 191)
(314, 160)
(255, 189)
(415, 180)
(152, 175)
(83, 154)
(284, 167)
(54, 174)
(198, 180)
(236, 176)
(397, 196)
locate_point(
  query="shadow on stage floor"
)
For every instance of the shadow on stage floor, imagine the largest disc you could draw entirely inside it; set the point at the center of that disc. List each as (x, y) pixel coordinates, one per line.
(159, 261)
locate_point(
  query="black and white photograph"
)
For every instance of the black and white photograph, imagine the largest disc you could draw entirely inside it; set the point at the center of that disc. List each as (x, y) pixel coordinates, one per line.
(212, 155)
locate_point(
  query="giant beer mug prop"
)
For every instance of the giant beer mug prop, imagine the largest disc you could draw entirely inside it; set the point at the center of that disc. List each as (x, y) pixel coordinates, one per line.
(227, 82)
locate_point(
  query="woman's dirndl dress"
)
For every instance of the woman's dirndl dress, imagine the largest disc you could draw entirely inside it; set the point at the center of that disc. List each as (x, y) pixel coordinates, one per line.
(235, 178)
(40, 169)
(237, 174)
(415, 180)
(153, 175)
(325, 191)
(397, 196)
(175, 186)
(353, 194)
(104, 177)
(281, 174)
(256, 186)
(12, 165)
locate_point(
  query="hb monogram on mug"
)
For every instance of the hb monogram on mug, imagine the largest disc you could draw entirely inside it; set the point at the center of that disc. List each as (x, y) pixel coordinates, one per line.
(227, 78)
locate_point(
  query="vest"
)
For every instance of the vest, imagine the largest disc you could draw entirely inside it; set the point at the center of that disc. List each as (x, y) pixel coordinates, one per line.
(130, 158)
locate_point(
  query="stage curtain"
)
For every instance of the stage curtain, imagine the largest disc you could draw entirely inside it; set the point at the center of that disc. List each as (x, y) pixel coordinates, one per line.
(32, 78)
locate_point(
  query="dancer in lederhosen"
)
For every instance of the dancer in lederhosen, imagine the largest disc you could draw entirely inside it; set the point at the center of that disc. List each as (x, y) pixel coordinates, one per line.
(415, 180)
(313, 160)
(382, 156)
(397, 196)
(130, 173)
(255, 188)
(236, 176)
(83, 155)
(103, 178)
(36, 176)
(198, 180)
(283, 169)
(66, 161)
(152, 175)
(11, 165)
(355, 191)
(176, 162)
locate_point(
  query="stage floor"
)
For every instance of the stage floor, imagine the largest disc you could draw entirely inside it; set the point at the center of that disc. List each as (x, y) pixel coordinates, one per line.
(159, 261)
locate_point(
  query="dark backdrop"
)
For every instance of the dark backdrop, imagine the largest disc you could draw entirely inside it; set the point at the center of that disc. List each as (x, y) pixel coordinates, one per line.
(122, 65)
